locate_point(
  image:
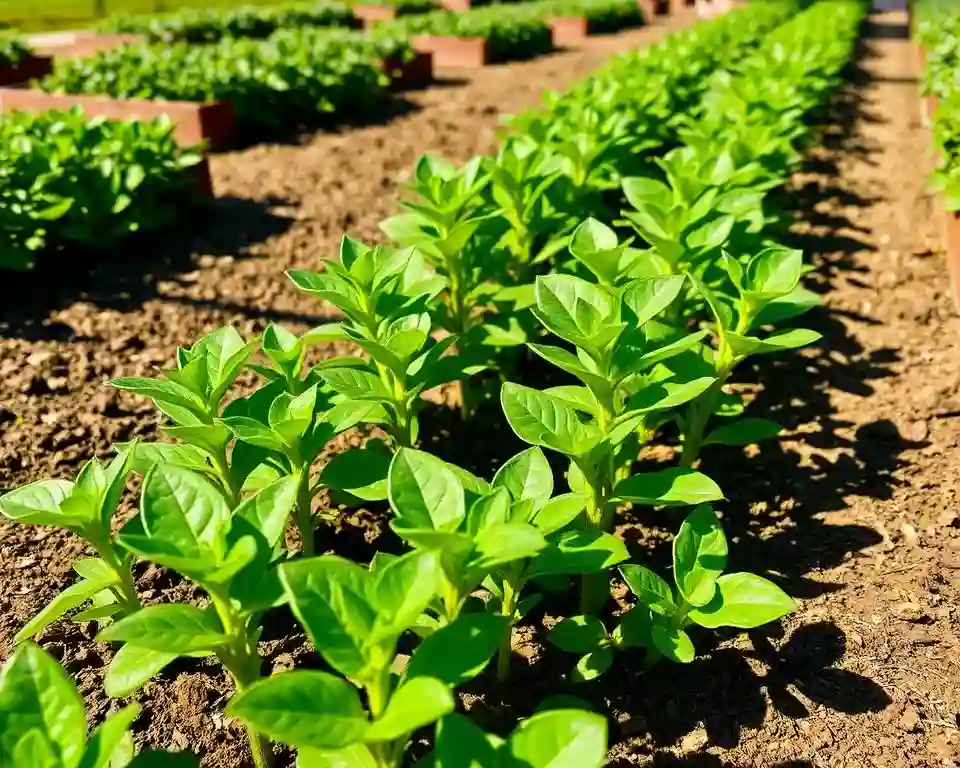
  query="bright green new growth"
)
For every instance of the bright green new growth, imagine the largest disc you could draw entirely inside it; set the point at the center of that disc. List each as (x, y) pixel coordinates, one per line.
(621, 356)
(85, 507)
(43, 725)
(701, 594)
(354, 617)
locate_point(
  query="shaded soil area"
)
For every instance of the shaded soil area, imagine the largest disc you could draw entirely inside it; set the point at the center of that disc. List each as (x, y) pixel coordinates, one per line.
(855, 512)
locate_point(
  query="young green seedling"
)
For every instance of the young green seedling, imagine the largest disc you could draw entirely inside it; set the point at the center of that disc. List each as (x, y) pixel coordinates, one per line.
(501, 535)
(521, 177)
(186, 524)
(354, 617)
(191, 397)
(281, 435)
(85, 507)
(556, 738)
(525, 482)
(766, 290)
(449, 222)
(702, 594)
(43, 724)
(618, 355)
(384, 292)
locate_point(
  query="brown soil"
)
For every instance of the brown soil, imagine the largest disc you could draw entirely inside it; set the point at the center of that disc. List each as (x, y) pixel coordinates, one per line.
(855, 513)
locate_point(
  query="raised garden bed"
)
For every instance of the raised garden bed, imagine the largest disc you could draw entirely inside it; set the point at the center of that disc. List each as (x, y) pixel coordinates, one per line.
(568, 30)
(211, 123)
(466, 52)
(24, 70)
(571, 21)
(369, 14)
(409, 73)
(70, 45)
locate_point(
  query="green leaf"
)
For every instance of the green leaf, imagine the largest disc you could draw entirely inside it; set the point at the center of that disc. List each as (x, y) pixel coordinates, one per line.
(459, 651)
(559, 512)
(743, 432)
(39, 702)
(572, 308)
(332, 599)
(668, 487)
(425, 492)
(419, 701)
(579, 552)
(547, 421)
(745, 601)
(488, 511)
(648, 297)
(185, 510)
(37, 503)
(673, 643)
(403, 589)
(591, 665)
(774, 272)
(650, 589)
(578, 634)
(269, 510)
(173, 628)
(360, 472)
(72, 597)
(699, 555)
(131, 667)
(303, 708)
(559, 738)
(527, 476)
(109, 737)
(355, 384)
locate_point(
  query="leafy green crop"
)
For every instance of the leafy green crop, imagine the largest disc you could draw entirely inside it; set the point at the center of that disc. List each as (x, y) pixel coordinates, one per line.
(208, 25)
(650, 316)
(42, 722)
(66, 180)
(606, 15)
(938, 33)
(12, 49)
(86, 507)
(701, 594)
(513, 31)
(295, 74)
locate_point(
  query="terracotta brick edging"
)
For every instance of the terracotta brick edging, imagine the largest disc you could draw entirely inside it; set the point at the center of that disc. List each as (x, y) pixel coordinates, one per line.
(570, 30)
(415, 73)
(465, 52)
(78, 45)
(457, 5)
(28, 68)
(194, 122)
(369, 15)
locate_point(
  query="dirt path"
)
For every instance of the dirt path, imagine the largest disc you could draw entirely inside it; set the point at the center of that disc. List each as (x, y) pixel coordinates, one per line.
(859, 516)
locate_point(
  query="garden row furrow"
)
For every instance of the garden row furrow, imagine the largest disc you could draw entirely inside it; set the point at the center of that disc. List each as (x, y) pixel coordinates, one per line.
(626, 236)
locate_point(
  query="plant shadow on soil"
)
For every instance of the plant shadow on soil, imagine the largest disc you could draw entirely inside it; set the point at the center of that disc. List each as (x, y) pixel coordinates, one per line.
(772, 515)
(129, 275)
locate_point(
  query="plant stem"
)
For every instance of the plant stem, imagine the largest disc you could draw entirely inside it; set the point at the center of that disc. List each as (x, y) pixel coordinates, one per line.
(126, 590)
(242, 660)
(304, 514)
(508, 608)
(223, 470)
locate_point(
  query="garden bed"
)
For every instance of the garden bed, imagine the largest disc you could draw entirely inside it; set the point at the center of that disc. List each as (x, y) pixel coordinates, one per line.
(28, 68)
(211, 123)
(466, 52)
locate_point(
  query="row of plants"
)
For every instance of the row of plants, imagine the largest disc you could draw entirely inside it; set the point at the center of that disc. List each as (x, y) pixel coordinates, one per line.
(294, 74)
(493, 264)
(514, 31)
(938, 34)
(12, 49)
(67, 181)
(607, 15)
(208, 25)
